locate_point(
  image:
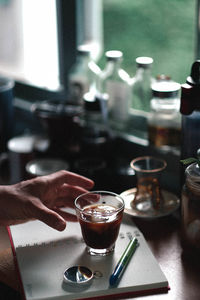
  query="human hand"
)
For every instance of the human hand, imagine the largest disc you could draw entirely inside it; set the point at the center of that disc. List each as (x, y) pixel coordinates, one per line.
(42, 198)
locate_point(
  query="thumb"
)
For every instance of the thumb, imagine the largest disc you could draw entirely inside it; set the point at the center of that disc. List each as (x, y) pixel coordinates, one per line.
(51, 218)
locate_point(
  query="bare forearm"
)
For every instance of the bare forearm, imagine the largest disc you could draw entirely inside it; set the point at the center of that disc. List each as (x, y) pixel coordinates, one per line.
(8, 274)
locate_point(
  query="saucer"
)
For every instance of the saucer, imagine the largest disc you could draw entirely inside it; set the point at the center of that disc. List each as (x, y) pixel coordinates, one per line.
(171, 204)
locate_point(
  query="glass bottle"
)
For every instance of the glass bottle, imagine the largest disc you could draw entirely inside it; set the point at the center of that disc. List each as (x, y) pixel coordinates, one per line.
(190, 110)
(190, 210)
(92, 110)
(95, 133)
(164, 121)
(115, 83)
(84, 75)
(141, 84)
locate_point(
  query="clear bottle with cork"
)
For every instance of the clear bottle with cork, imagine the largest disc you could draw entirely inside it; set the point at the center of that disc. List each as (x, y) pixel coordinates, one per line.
(164, 122)
(141, 84)
(115, 83)
(84, 75)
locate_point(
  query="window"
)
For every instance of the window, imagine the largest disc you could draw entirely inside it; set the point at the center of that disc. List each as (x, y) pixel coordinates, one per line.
(163, 30)
(38, 40)
(29, 49)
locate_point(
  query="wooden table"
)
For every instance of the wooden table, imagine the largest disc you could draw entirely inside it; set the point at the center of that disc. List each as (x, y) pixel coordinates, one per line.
(163, 237)
(183, 273)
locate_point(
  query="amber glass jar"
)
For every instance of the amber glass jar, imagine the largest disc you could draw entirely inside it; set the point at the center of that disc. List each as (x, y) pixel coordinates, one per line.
(164, 122)
(190, 210)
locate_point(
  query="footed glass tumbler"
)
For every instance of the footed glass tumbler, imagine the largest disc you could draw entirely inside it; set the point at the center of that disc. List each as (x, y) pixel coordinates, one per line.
(148, 195)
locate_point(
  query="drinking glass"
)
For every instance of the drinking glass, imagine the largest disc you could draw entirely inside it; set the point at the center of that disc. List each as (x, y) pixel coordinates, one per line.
(148, 197)
(99, 214)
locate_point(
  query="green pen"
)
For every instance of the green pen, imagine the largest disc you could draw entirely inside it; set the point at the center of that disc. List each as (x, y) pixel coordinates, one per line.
(123, 262)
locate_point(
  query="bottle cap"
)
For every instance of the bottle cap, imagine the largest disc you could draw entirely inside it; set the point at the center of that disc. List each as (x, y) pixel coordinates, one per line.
(165, 89)
(194, 78)
(84, 49)
(190, 91)
(144, 61)
(113, 54)
(91, 102)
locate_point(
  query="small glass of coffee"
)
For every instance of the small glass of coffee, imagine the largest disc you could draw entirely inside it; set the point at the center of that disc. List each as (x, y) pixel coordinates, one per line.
(99, 214)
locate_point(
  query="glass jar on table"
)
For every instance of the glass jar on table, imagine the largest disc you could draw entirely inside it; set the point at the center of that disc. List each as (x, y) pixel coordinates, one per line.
(190, 210)
(164, 122)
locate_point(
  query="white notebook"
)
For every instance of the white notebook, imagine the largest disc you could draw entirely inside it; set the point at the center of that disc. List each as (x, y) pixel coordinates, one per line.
(43, 254)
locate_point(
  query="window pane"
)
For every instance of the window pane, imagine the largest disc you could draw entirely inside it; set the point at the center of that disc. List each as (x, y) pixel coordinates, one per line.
(40, 42)
(163, 30)
(28, 42)
(11, 44)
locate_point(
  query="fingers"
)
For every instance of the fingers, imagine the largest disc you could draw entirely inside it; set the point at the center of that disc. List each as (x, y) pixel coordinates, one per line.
(66, 215)
(68, 193)
(51, 218)
(58, 189)
(62, 177)
(71, 190)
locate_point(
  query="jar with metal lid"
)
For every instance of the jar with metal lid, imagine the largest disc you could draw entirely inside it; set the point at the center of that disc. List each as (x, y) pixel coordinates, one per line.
(190, 210)
(164, 122)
